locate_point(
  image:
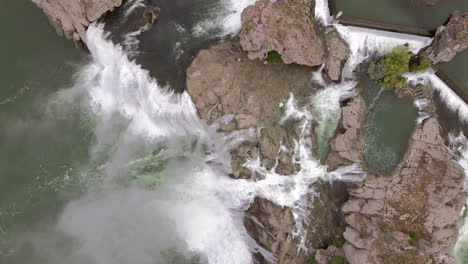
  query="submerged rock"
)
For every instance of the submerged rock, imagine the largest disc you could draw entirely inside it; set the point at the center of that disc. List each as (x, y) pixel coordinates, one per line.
(449, 39)
(71, 18)
(284, 26)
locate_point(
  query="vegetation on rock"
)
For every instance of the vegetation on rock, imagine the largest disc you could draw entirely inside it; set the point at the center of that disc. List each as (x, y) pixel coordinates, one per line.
(388, 71)
(459, 35)
(420, 65)
(337, 260)
(339, 242)
(273, 56)
(414, 237)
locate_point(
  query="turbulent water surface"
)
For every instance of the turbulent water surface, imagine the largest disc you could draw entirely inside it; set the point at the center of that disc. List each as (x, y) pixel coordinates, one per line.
(115, 167)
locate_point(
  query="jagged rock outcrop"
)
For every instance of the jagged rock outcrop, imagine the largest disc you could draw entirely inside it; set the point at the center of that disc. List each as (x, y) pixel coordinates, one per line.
(223, 82)
(448, 40)
(347, 147)
(337, 54)
(412, 215)
(236, 93)
(70, 18)
(284, 26)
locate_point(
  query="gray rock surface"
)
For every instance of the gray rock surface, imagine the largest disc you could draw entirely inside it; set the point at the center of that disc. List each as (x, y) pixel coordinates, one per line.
(70, 18)
(286, 27)
(449, 39)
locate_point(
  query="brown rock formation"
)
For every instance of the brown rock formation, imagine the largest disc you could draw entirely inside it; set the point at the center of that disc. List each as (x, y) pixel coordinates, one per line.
(222, 82)
(347, 146)
(448, 40)
(284, 26)
(70, 18)
(338, 53)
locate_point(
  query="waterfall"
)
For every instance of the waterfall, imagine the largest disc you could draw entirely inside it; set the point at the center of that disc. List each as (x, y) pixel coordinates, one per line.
(165, 183)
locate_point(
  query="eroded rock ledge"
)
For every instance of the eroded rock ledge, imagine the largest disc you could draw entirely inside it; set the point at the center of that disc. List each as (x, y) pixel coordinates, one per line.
(70, 18)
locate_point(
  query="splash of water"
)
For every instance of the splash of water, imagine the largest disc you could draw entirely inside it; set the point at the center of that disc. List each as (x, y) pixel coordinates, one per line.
(225, 19)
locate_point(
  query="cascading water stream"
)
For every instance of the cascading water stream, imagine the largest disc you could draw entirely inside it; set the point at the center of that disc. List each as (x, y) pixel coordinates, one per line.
(146, 134)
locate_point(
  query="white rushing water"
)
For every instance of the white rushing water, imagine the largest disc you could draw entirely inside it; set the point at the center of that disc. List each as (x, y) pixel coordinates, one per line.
(147, 134)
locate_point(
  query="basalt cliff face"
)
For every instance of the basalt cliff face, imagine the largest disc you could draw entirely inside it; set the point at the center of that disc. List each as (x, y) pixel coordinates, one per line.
(70, 18)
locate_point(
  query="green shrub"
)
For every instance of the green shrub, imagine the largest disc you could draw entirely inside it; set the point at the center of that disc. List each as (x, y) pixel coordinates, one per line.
(339, 242)
(389, 69)
(420, 65)
(414, 237)
(337, 260)
(312, 261)
(384, 227)
(459, 35)
(273, 56)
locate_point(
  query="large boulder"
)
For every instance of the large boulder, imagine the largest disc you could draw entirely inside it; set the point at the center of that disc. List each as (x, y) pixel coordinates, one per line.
(284, 26)
(449, 39)
(70, 18)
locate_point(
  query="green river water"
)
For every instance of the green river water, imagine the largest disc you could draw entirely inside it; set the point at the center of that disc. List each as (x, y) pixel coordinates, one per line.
(39, 144)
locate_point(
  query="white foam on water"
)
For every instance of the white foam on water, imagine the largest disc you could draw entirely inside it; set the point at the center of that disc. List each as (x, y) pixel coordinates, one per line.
(458, 145)
(453, 102)
(225, 19)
